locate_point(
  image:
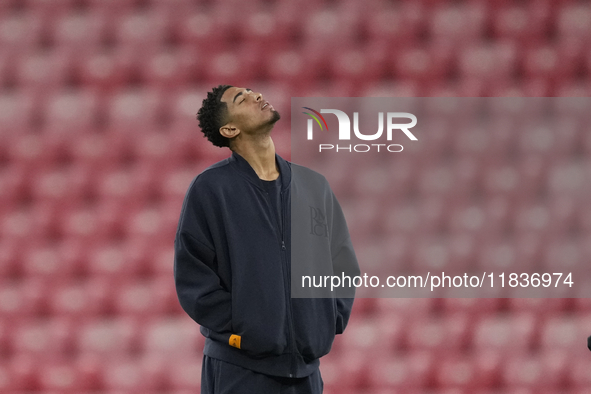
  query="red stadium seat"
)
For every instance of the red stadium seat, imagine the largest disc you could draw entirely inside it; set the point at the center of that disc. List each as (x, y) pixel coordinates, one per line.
(6, 379)
(18, 109)
(134, 110)
(23, 371)
(145, 298)
(202, 29)
(422, 64)
(44, 70)
(135, 375)
(418, 306)
(532, 168)
(578, 374)
(512, 333)
(150, 222)
(23, 299)
(546, 371)
(5, 68)
(474, 307)
(359, 65)
(175, 337)
(492, 64)
(405, 372)
(6, 7)
(183, 107)
(142, 28)
(175, 186)
(488, 367)
(107, 69)
(526, 23)
(236, 68)
(565, 332)
(156, 149)
(12, 186)
(114, 7)
(172, 67)
(65, 377)
(82, 223)
(573, 21)
(112, 337)
(354, 369)
(17, 225)
(51, 8)
(403, 221)
(466, 217)
(45, 339)
(184, 373)
(38, 154)
(366, 334)
(51, 260)
(500, 179)
(21, 30)
(522, 254)
(65, 185)
(564, 254)
(71, 111)
(272, 26)
(121, 259)
(460, 24)
(288, 65)
(456, 371)
(442, 335)
(81, 298)
(5, 328)
(80, 30)
(553, 63)
(398, 25)
(97, 150)
(131, 186)
(162, 262)
(10, 258)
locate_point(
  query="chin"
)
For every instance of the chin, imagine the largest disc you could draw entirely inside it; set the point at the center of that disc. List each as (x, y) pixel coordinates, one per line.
(274, 117)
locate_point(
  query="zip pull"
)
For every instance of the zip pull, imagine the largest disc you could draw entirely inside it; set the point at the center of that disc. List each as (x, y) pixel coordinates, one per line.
(282, 244)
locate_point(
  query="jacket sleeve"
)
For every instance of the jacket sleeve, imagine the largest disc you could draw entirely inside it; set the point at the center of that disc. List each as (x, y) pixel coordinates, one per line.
(199, 288)
(344, 262)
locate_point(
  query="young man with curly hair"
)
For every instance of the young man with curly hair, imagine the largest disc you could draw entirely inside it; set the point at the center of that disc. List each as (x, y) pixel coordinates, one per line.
(240, 220)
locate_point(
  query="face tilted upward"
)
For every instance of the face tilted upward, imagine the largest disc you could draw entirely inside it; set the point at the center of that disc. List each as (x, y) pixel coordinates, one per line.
(248, 110)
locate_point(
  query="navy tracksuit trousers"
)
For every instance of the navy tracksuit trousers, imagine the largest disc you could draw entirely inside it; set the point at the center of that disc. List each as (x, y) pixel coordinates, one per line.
(219, 377)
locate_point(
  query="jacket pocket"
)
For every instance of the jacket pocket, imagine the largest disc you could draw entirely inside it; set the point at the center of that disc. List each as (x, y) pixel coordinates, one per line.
(262, 330)
(314, 326)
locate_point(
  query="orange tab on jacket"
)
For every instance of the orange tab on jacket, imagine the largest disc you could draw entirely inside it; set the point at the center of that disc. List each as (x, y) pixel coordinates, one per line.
(235, 340)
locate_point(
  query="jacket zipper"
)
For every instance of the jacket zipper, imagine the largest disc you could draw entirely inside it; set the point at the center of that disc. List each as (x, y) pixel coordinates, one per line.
(287, 282)
(288, 289)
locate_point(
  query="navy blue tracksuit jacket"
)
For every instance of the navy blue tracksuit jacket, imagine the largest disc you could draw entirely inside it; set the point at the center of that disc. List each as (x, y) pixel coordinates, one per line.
(233, 267)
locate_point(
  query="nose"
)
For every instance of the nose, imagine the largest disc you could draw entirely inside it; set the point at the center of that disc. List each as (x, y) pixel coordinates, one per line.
(259, 96)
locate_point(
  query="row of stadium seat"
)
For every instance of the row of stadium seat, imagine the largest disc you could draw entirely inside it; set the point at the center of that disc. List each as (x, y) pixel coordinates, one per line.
(281, 22)
(165, 67)
(107, 294)
(549, 370)
(64, 335)
(84, 253)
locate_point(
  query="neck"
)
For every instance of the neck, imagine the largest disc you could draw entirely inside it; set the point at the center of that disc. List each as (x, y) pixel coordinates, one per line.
(260, 154)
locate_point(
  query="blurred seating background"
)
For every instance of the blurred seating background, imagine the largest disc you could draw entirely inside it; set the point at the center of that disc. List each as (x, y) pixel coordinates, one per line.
(99, 142)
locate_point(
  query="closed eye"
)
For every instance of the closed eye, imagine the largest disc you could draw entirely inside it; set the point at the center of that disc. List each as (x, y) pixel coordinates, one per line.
(241, 94)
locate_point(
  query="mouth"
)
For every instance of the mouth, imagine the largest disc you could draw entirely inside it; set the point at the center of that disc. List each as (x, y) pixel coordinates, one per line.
(265, 105)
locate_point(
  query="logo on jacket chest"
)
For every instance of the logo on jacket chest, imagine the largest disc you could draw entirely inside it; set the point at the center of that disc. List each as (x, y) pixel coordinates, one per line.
(318, 225)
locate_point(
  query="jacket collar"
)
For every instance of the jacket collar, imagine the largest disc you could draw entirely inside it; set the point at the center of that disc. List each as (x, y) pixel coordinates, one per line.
(246, 170)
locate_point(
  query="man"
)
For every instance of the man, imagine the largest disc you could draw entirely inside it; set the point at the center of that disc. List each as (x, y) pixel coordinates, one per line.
(233, 258)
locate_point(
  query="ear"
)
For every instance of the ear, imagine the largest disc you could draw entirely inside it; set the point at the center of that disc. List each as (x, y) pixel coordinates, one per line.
(229, 131)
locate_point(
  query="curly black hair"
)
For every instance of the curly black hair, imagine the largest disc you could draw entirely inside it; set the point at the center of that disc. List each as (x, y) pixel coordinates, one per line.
(212, 115)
